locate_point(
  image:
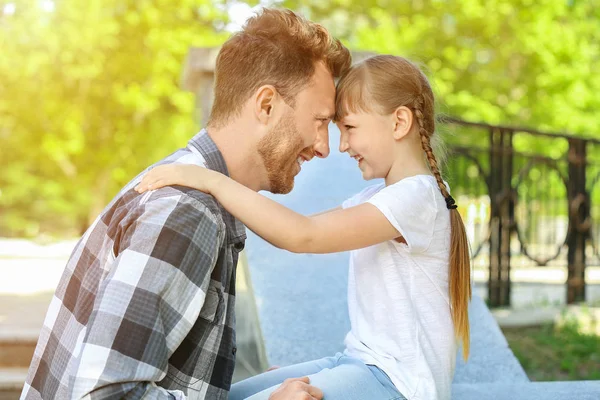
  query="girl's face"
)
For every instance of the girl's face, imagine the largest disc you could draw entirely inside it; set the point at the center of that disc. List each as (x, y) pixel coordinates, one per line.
(369, 139)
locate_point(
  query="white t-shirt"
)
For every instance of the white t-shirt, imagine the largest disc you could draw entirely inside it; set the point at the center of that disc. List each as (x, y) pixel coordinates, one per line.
(398, 293)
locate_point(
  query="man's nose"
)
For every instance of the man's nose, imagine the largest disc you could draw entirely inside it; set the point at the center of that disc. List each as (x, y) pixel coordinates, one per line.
(321, 146)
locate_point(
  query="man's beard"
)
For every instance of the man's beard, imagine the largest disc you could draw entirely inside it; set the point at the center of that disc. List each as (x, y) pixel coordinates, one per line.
(279, 150)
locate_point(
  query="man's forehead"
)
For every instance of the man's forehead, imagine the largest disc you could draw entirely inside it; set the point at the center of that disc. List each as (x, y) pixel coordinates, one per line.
(323, 78)
(321, 99)
(319, 94)
(325, 109)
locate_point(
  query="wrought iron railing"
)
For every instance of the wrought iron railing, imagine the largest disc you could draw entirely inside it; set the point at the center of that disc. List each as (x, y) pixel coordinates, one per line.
(527, 198)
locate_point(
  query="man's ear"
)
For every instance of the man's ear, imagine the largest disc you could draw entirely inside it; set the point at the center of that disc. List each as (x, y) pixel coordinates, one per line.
(265, 98)
(402, 120)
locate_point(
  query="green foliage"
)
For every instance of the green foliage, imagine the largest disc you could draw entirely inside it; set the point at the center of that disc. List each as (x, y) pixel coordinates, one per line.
(553, 352)
(518, 62)
(89, 96)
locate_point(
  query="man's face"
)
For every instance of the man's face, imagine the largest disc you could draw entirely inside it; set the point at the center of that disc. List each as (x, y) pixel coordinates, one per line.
(301, 133)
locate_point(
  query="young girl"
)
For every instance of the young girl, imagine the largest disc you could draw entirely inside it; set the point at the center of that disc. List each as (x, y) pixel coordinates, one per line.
(409, 280)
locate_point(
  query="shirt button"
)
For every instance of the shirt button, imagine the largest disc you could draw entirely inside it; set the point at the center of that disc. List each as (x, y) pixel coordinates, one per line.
(234, 350)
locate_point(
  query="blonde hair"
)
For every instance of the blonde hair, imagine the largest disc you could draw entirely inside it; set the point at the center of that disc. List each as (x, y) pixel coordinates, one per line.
(382, 84)
(275, 47)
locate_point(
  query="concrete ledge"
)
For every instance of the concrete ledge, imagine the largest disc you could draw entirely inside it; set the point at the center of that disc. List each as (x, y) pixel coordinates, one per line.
(576, 390)
(511, 318)
(21, 319)
(251, 356)
(491, 358)
(17, 353)
(11, 382)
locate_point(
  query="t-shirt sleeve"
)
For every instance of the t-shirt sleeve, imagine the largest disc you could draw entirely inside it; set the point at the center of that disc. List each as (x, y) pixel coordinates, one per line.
(362, 196)
(410, 206)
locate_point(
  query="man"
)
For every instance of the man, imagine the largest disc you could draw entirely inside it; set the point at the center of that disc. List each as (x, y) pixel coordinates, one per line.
(145, 307)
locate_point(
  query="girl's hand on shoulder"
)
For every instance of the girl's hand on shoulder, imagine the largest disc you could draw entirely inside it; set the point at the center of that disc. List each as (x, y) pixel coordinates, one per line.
(189, 175)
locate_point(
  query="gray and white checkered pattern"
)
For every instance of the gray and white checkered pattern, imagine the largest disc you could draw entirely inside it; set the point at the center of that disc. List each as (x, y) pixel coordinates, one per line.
(145, 306)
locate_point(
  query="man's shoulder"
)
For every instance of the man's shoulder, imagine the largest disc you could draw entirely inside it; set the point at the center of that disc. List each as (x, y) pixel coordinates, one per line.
(177, 198)
(128, 205)
(203, 200)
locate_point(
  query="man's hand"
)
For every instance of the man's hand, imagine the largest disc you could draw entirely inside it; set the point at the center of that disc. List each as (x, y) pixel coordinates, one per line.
(296, 389)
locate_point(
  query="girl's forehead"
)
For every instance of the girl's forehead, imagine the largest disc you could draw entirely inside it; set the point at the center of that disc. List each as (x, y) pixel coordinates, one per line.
(352, 104)
(352, 116)
(349, 116)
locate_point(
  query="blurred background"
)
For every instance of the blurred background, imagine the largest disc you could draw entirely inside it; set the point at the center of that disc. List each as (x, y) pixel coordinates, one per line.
(90, 95)
(92, 92)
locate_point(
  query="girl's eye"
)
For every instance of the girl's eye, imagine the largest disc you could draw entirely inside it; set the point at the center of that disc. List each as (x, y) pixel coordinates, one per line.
(348, 127)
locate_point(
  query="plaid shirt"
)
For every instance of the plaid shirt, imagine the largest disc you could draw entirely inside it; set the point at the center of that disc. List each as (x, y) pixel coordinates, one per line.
(145, 306)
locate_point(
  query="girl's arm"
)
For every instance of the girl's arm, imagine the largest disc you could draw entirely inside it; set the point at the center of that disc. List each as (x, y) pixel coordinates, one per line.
(332, 232)
(326, 211)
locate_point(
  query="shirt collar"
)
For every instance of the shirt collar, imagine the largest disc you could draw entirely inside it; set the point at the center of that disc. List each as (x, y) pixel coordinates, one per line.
(236, 231)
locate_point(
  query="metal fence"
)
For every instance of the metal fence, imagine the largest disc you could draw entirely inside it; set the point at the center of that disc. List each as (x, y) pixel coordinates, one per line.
(528, 198)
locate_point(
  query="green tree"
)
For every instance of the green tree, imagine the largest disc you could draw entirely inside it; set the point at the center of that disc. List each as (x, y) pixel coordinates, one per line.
(89, 96)
(518, 62)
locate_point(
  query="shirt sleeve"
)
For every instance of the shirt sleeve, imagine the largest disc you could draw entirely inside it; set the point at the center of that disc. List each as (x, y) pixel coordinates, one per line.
(362, 196)
(148, 302)
(410, 206)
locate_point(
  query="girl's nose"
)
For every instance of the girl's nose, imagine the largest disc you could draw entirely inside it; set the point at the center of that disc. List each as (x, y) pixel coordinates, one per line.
(343, 144)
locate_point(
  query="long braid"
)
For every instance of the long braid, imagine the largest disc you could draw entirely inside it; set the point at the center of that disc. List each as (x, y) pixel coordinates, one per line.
(459, 280)
(425, 143)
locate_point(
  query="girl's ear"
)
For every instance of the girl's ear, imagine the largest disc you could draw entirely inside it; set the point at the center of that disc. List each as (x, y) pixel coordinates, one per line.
(403, 120)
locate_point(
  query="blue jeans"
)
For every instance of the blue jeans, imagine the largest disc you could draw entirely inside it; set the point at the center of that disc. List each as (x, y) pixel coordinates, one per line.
(339, 377)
